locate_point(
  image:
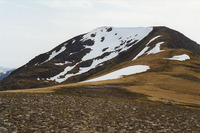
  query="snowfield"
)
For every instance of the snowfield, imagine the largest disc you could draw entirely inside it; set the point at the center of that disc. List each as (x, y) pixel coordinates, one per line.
(112, 38)
(119, 73)
(182, 57)
(106, 39)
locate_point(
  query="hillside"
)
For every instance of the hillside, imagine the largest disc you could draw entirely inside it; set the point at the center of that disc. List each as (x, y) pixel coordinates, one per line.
(107, 80)
(106, 49)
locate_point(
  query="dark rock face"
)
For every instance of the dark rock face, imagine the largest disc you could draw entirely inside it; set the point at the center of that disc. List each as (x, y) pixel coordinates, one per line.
(72, 60)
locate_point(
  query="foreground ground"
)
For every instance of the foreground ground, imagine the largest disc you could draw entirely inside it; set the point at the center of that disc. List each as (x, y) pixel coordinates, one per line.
(93, 109)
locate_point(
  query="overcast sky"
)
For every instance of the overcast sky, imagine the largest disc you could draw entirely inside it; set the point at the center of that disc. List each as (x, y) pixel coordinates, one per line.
(31, 27)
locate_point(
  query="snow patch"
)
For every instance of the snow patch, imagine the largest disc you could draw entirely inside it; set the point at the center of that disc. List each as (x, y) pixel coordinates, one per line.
(153, 39)
(54, 54)
(119, 73)
(73, 41)
(58, 78)
(182, 57)
(156, 49)
(95, 63)
(146, 48)
(65, 76)
(141, 53)
(60, 64)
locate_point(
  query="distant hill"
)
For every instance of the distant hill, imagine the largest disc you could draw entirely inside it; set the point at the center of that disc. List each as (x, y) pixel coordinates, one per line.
(4, 72)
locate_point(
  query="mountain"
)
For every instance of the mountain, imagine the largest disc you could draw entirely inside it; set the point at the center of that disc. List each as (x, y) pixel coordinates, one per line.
(107, 50)
(4, 72)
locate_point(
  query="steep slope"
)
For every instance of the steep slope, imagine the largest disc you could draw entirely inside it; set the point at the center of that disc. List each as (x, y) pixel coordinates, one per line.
(94, 54)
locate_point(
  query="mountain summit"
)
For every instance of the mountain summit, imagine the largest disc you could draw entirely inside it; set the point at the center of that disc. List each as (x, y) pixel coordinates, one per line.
(103, 50)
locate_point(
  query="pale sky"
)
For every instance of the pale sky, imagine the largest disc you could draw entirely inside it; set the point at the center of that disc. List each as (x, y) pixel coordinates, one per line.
(31, 27)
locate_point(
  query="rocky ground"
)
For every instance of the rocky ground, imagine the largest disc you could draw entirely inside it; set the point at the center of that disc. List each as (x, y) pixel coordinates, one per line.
(93, 109)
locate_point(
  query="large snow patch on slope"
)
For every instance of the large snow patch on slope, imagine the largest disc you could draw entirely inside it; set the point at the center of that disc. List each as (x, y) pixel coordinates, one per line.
(124, 71)
(115, 39)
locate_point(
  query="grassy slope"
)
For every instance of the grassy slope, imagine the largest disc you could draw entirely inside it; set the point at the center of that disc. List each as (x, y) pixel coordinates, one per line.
(167, 80)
